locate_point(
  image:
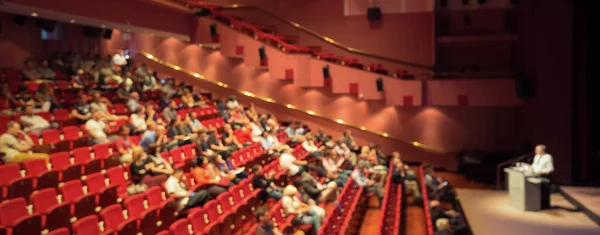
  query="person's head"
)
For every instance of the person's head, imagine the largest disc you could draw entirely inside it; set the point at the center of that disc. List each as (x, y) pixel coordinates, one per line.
(13, 127)
(328, 154)
(178, 173)
(290, 191)
(151, 126)
(251, 105)
(82, 99)
(154, 149)
(29, 64)
(396, 155)
(310, 138)
(45, 63)
(231, 98)
(362, 165)
(287, 149)
(137, 154)
(161, 130)
(540, 149)
(172, 104)
(442, 224)
(257, 169)
(212, 132)
(124, 130)
(434, 204)
(365, 150)
(347, 133)
(194, 116)
(265, 134)
(399, 165)
(227, 127)
(98, 115)
(262, 216)
(96, 96)
(134, 95)
(140, 111)
(28, 110)
(297, 124)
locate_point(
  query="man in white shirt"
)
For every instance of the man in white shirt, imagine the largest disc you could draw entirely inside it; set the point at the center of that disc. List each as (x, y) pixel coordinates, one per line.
(14, 149)
(543, 166)
(232, 103)
(175, 187)
(97, 128)
(33, 123)
(119, 59)
(134, 101)
(542, 162)
(289, 162)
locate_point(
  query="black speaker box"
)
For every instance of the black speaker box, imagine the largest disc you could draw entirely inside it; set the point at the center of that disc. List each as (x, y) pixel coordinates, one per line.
(47, 25)
(19, 19)
(107, 33)
(326, 73)
(374, 13)
(92, 32)
(262, 53)
(213, 30)
(379, 84)
(524, 88)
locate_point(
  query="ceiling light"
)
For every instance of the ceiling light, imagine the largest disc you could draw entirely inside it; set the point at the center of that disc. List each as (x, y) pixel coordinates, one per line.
(310, 112)
(102, 26)
(72, 21)
(340, 121)
(33, 14)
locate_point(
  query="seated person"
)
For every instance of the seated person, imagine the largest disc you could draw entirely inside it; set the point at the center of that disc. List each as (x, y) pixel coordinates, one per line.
(180, 133)
(317, 191)
(343, 151)
(124, 145)
(134, 101)
(376, 171)
(154, 155)
(302, 212)
(310, 146)
(97, 129)
(348, 139)
(288, 161)
(290, 131)
(244, 136)
(194, 123)
(44, 93)
(169, 114)
(232, 103)
(176, 188)
(216, 145)
(454, 218)
(207, 172)
(442, 226)
(187, 99)
(23, 97)
(14, 149)
(437, 188)
(402, 176)
(34, 123)
(40, 104)
(102, 103)
(229, 139)
(270, 143)
(360, 179)
(138, 121)
(109, 75)
(321, 136)
(333, 170)
(145, 171)
(202, 145)
(81, 110)
(251, 112)
(30, 71)
(266, 226)
(236, 119)
(265, 182)
(46, 71)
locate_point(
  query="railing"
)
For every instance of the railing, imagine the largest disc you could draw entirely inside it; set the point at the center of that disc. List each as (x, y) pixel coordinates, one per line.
(503, 164)
(310, 32)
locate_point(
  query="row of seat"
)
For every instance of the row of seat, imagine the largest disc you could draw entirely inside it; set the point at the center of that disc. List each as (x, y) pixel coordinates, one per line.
(429, 223)
(267, 35)
(391, 207)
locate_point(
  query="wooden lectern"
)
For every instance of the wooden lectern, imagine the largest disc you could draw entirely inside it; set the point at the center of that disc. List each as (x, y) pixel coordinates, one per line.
(524, 190)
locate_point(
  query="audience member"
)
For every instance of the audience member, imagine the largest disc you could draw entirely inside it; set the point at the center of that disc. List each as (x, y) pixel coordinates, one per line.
(194, 123)
(232, 103)
(30, 71)
(402, 175)
(360, 179)
(207, 172)
(119, 60)
(229, 139)
(301, 212)
(34, 123)
(333, 169)
(45, 94)
(443, 227)
(134, 101)
(270, 143)
(317, 191)
(124, 144)
(45, 71)
(145, 171)
(81, 110)
(348, 139)
(251, 112)
(169, 113)
(290, 163)
(437, 188)
(217, 146)
(176, 188)
(97, 129)
(291, 133)
(265, 182)
(138, 120)
(266, 226)
(14, 149)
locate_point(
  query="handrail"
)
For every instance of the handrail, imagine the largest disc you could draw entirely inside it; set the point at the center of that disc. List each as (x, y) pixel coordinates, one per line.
(323, 37)
(511, 161)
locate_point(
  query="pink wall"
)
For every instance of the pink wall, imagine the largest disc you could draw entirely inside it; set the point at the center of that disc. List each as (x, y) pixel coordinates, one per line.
(407, 37)
(137, 13)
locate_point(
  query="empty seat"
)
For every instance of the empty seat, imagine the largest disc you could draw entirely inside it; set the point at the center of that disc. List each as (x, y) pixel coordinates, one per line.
(107, 195)
(45, 178)
(201, 224)
(71, 133)
(83, 156)
(116, 177)
(115, 221)
(217, 215)
(87, 226)
(14, 214)
(136, 209)
(56, 214)
(51, 136)
(84, 204)
(120, 109)
(13, 185)
(167, 207)
(62, 161)
(179, 227)
(60, 231)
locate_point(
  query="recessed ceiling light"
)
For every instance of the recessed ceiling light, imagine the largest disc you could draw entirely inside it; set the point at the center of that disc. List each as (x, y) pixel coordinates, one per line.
(102, 26)
(72, 21)
(34, 14)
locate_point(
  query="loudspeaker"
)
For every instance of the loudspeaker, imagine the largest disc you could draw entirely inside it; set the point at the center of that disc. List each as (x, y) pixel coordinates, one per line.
(202, 12)
(92, 32)
(262, 53)
(374, 13)
(326, 73)
(524, 88)
(19, 19)
(379, 82)
(213, 30)
(47, 25)
(107, 33)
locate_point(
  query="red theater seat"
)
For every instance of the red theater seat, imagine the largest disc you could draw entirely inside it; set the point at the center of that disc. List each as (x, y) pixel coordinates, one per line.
(84, 204)
(107, 195)
(14, 215)
(88, 226)
(62, 161)
(83, 156)
(38, 168)
(148, 218)
(179, 227)
(166, 206)
(115, 221)
(13, 185)
(116, 177)
(57, 215)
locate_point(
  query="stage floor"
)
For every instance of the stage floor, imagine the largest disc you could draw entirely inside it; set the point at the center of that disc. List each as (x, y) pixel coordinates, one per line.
(489, 213)
(588, 197)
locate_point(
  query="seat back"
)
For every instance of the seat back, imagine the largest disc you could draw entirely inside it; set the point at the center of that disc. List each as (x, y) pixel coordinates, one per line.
(226, 201)
(70, 132)
(60, 160)
(71, 190)
(44, 199)
(134, 205)
(35, 167)
(86, 226)
(9, 173)
(154, 196)
(60, 231)
(61, 114)
(51, 136)
(198, 219)
(212, 210)
(101, 151)
(112, 216)
(11, 210)
(82, 155)
(179, 227)
(176, 155)
(116, 176)
(45, 115)
(95, 182)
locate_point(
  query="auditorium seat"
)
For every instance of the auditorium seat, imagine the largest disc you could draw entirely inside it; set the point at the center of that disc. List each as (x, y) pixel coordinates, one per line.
(166, 205)
(116, 176)
(51, 136)
(13, 184)
(88, 226)
(83, 204)
(57, 215)
(14, 215)
(148, 217)
(115, 221)
(107, 195)
(83, 156)
(62, 161)
(60, 231)
(179, 227)
(201, 223)
(44, 178)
